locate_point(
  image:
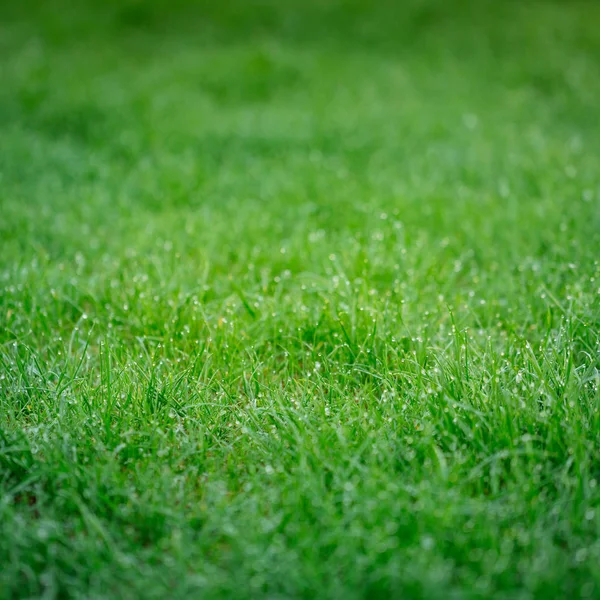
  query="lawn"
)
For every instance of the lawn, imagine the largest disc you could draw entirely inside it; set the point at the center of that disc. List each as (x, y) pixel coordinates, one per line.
(300, 299)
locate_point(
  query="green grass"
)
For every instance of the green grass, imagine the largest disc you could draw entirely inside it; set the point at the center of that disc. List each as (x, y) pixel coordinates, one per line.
(300, 299)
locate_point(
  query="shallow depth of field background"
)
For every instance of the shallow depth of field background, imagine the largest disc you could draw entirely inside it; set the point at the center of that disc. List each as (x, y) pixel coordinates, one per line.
(299, 299)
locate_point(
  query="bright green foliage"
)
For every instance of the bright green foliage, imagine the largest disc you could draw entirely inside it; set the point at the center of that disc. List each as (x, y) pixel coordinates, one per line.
(300, 299)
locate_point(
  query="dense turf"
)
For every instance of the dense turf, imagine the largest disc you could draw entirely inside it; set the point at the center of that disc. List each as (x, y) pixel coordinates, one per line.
(299, 300)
